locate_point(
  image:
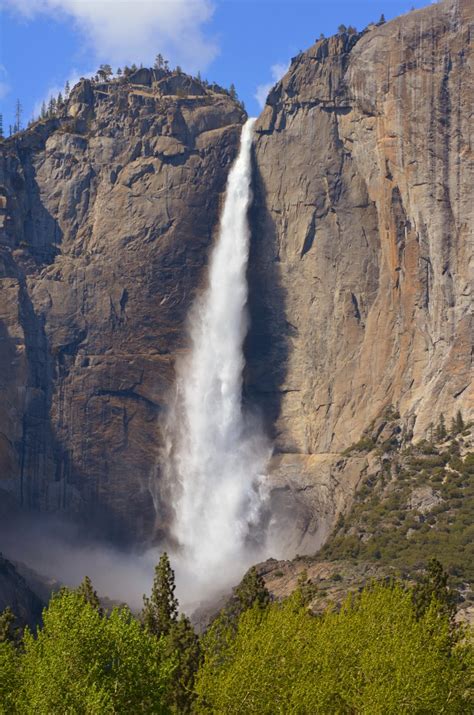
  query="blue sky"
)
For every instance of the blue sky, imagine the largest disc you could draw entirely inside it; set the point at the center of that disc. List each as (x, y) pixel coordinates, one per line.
(248, 42)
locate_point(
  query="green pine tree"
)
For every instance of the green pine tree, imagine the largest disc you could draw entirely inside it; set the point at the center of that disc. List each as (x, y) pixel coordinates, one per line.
(86, 590)
(184, 644)
(160, 610)
(457, 425)
(434, 586)
(441, 432)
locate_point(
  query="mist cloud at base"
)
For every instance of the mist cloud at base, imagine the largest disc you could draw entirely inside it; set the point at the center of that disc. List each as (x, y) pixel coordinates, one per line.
(58, 549)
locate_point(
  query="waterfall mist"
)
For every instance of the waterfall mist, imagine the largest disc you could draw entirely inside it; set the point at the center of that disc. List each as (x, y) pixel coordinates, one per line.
(217, 454)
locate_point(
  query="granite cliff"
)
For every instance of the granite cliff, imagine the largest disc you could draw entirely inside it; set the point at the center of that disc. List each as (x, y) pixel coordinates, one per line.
(360, 283)
(108, 210)
(362, 271)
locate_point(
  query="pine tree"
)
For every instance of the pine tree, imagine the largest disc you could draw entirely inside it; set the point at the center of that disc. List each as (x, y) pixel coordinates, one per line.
(67, 89)
(60, 98)
(18, 113)
(382, 19)
(44, 111)
(104, 72)
(160, 610)
(342, 29)
(185, 646)
(179, 70)
(252, 590)
(458, 425)
(434, 586)
(51, 107)
(441, 433)
(233, 91)
(86, 590)
(119, 72)
(166, 66)
(1, 126)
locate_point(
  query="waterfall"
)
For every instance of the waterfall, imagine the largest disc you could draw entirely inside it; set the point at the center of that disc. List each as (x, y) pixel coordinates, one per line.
(218, 455)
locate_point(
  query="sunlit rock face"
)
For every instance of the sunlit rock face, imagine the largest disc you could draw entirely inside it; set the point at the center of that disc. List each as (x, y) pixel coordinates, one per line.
(361, 272)
(107, 216)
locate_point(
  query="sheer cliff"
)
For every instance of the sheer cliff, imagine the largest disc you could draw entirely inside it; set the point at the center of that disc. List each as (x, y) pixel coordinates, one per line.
(108, 211)
(360, 270)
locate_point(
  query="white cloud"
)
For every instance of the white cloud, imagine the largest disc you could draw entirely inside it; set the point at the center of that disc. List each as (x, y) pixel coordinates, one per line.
(4, 86)
(127, 31)
(277, 71)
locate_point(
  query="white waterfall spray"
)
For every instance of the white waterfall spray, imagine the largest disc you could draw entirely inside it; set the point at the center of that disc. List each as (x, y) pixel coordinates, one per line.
(217, 457)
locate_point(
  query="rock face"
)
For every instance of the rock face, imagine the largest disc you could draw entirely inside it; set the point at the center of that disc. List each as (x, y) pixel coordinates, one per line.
(360, 282)
(107, 214)
(362, 257)
(17, 594)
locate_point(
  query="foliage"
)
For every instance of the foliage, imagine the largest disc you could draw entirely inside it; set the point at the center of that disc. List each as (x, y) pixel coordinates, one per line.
(81, 662)
(382, 526)
(183, 644)
(160, 618)
(160, 610)
(8, 677)
(434, 587)
(374, 656)
(87, 592)
(7, 631)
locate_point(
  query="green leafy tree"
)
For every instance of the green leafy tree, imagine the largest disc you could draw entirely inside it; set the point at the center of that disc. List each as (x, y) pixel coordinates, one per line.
(7, 631)
(251, 592)
(9, 678)
(371, 656)
(160, 610)
(80, 662)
